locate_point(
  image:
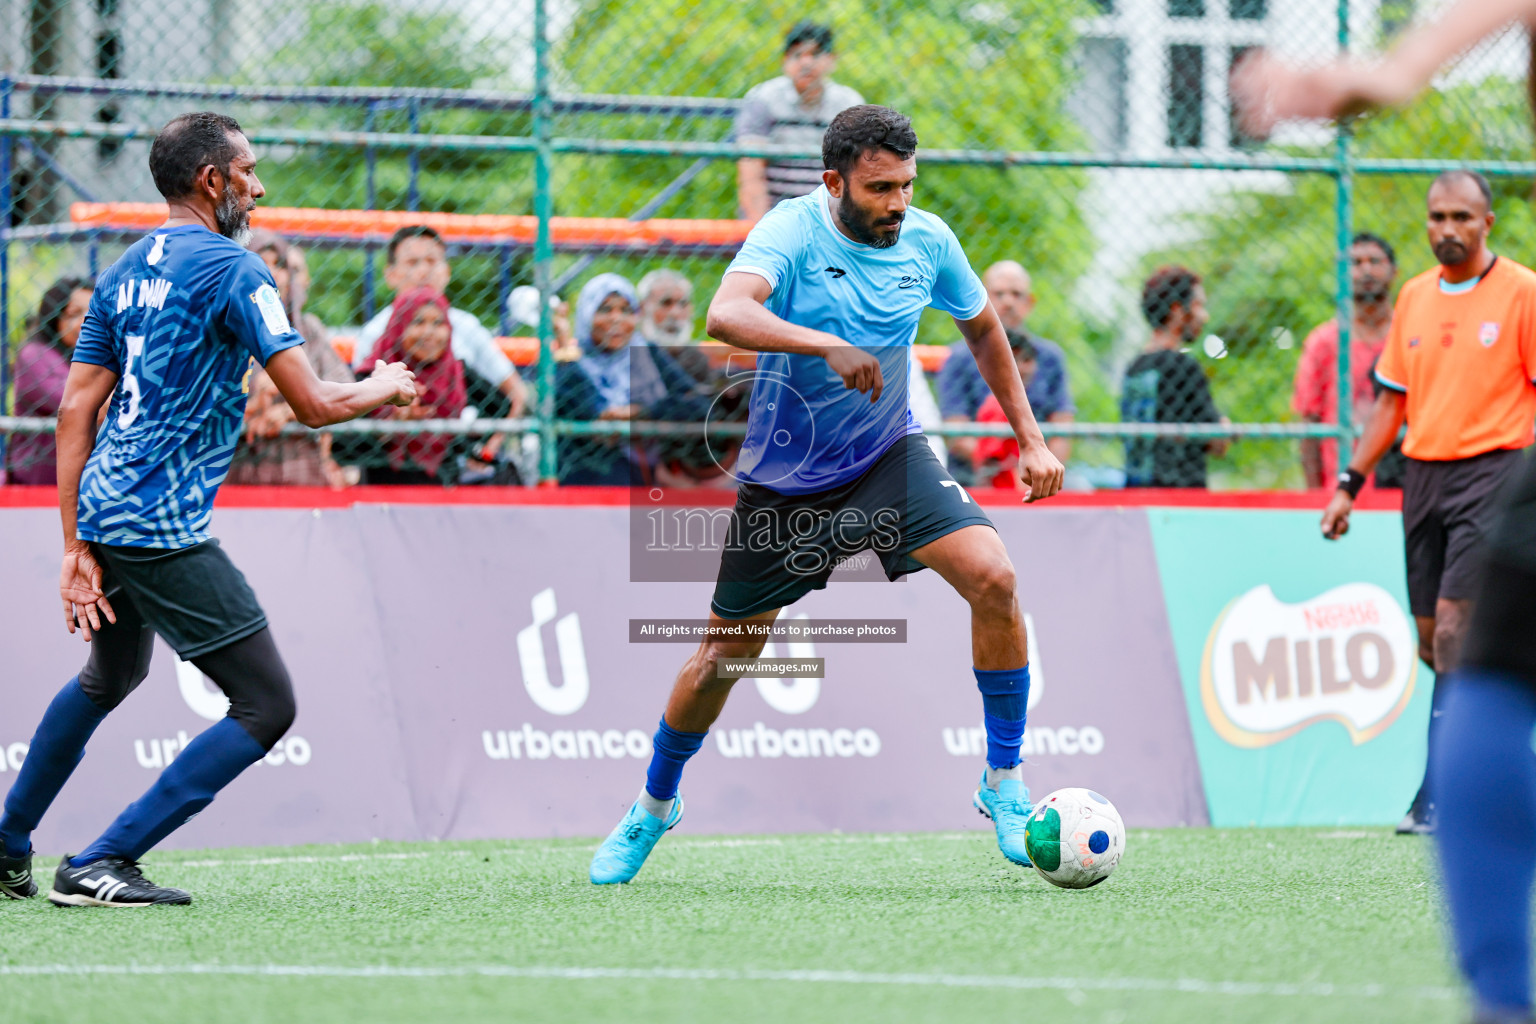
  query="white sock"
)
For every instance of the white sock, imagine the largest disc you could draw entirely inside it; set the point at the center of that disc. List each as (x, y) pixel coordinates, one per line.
(655, 808)
(996, 775)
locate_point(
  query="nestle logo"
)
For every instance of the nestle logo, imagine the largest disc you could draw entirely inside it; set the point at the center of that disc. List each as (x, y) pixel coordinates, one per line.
(1272, 669)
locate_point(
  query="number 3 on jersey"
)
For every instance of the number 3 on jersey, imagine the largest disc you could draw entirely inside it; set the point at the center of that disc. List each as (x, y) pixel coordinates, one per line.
(135, 343)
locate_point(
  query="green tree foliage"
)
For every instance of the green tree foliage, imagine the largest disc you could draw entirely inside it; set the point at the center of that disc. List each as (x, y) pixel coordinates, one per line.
(975, 76)
(379, 45)
(1268, 254)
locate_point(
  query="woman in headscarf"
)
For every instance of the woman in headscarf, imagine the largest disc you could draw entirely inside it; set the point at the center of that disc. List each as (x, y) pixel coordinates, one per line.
(418, 335)
(617, 377)
(265, 455)
(42, 364)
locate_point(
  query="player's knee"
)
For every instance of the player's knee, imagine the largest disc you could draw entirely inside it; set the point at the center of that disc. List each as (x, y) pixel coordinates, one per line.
(269, 715)
(108, 690)
(281, 714)
(1427, 650)
(994, 589)
(1447, 643)
(712, 654)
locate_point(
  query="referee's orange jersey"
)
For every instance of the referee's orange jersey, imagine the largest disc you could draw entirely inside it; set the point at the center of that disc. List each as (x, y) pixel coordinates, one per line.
(1467, 363)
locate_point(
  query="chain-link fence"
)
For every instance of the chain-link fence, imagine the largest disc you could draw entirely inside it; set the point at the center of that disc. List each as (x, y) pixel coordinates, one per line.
(550, 144)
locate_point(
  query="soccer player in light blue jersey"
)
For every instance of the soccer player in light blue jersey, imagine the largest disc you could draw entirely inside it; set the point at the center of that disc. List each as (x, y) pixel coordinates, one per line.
(173, 330)
(829, 288)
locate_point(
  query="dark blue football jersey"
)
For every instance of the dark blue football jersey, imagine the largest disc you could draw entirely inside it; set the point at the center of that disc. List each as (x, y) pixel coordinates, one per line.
(179, 318)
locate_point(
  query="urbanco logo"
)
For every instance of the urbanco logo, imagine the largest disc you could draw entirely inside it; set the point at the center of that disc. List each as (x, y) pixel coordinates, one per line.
(569, 697)
(208, 701)
(1271, 669)
(791, 696)
(1039, 740)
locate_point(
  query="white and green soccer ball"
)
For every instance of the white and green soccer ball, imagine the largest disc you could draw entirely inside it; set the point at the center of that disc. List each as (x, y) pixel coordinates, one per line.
(1075, 838)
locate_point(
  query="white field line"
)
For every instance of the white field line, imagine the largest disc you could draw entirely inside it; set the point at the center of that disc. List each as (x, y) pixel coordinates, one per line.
(679, 842)
(1192, 986)
(692, 844)
(340, 858)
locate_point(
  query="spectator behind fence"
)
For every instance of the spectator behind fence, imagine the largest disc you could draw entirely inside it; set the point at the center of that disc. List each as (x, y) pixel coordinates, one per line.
(997, 458)
(1373, 269)
(302, 460)
(617, 377)
(1164, 384)
(666, 321)
(42, 365)
(962, 391)
(794, 109)
(417, 257)
(420, 335)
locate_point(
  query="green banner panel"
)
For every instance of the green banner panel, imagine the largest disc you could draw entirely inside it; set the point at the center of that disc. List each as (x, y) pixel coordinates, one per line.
(1298, 658)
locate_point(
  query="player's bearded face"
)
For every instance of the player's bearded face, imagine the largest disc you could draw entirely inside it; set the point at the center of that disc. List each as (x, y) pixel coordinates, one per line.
(233, 215)
(871, 226)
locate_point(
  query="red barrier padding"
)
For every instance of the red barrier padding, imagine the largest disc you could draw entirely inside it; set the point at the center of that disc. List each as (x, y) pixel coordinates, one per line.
(1370, 500)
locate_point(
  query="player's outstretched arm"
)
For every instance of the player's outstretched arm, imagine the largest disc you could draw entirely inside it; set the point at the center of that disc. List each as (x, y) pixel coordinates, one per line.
(738, 316)
(1268, 90)
(319, 403)
(1040, 470)
(86, 390)
(1380, 432)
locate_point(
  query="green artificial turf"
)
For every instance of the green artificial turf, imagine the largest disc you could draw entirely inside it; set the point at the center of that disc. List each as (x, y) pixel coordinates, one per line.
(1309, 925)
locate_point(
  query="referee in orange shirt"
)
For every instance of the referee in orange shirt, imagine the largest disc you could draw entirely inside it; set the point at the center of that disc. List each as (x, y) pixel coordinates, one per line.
(1459, 364)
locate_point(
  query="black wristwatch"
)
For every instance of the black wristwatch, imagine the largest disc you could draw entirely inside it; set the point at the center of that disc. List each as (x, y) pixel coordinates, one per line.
(1350, 482)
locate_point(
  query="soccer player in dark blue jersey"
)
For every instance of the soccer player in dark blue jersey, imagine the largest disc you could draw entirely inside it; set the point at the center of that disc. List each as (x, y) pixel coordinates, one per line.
(829, 288)
(173, 330)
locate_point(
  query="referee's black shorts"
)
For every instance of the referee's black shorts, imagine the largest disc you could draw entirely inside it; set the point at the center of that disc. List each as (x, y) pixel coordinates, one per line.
(783, 546)
(1448, 513)
(1503, 634)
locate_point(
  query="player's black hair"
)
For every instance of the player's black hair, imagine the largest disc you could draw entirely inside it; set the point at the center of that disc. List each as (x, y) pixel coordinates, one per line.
(412, 231)
(1446, 177)
(1167, 287)
(55, 301)
(1022, 347)
(864, 129)
(187, 144)
(1368, 238)
(809, 32)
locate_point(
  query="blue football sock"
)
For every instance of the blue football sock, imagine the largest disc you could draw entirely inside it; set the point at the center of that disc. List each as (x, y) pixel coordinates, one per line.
(671, 752)
(1004, 699)
(188, 784)
(1486, 831)
(56, 749)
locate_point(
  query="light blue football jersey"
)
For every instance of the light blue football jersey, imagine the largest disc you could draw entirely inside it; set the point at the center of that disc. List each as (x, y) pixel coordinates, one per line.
(806, 432)
(178, 318)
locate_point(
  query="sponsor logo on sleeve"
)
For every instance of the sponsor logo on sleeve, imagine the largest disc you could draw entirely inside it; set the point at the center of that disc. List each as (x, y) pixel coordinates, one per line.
(271, 307)
(1272, 669)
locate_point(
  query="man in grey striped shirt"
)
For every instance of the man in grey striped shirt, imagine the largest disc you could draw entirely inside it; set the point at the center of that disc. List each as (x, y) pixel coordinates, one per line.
(794, 109)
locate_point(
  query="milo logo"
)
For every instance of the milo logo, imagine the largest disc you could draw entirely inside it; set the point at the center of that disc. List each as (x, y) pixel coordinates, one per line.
(1272, 669)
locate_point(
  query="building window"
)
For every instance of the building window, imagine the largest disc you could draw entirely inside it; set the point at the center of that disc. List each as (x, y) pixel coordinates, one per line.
(109, 64)
(1248, 10)
(1186, 96)
(1236, 138)
(1186, 8)
(1099, 102)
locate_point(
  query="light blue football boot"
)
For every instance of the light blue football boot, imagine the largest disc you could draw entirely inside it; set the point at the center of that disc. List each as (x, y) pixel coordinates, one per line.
(1009, 808)
(623, 853)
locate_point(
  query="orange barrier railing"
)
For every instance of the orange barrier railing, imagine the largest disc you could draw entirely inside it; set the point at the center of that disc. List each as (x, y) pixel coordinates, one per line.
(524, 351)
(299, 223)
